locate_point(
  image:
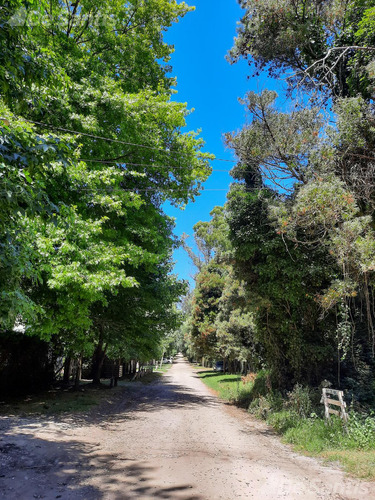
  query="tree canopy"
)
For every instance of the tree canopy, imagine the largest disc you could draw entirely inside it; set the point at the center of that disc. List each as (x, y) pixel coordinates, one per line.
(91, 148)
(294, 290)
(321, 45)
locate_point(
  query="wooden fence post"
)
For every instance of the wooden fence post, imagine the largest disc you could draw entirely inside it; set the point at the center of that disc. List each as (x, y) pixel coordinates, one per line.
(327, 395)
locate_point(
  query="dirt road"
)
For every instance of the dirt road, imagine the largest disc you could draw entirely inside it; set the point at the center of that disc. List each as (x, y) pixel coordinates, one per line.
(171, 439)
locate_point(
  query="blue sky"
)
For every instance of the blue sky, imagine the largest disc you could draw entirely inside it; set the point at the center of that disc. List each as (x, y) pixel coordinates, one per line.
(210, 85)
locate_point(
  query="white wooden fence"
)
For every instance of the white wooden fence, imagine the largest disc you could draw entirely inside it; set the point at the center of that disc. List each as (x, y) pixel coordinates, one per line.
(338, 403)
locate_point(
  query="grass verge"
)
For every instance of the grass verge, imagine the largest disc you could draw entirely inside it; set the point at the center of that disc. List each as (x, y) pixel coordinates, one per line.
(227, 387)
(359, 463)
(56, 401)
(298, 418)
(154, 375)
(62, 400)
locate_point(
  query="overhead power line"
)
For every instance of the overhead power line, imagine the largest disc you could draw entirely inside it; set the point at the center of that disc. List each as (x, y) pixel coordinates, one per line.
(136, 190)
(114, 162)
(154, 165)
(145, 146)
(118, 141)
(130, 190)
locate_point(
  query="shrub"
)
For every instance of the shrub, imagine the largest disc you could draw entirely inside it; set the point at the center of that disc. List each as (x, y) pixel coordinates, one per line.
(249, 378)
(283, 420)
(299, 400)
(262, 406)
(360, 431)
(245, 395)
(262, 384)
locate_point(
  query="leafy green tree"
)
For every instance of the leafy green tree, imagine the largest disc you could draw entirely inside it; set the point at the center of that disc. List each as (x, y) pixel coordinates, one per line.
(317, 44)
(325, 219)
(92, 78)
(277, 146)
(235, 327)
(40, 231)
(205, 308)
(281, 283)
(300, 216)
(220, 324)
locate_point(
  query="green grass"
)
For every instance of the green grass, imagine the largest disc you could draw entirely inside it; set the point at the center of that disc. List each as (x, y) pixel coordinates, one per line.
(359, 463)
(164, 368)
(353, 449)
(155, 374)
(228, 387)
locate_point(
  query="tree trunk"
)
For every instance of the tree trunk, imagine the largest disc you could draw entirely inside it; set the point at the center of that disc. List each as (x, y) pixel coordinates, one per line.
(161, 359)
(114, 374)
(97, 362)
(78, 373)
(67, 367)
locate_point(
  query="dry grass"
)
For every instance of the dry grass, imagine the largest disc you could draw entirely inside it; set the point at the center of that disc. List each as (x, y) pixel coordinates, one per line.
(54, 401)
(62, 400)
(359, 463)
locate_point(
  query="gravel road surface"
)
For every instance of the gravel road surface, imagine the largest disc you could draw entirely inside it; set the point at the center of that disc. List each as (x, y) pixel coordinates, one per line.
(171, 439)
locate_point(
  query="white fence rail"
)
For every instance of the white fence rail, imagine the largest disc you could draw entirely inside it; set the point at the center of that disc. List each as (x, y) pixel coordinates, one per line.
(334, 398)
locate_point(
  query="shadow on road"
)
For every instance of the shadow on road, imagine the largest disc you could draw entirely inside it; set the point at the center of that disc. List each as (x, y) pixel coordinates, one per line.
(37, 468)
(137, 398)
(126, 404)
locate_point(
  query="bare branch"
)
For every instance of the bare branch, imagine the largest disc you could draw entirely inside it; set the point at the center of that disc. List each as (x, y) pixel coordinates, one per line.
(327, 70)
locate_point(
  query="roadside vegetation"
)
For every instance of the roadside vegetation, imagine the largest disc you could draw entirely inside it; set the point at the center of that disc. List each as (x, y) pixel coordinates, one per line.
(299, 417)
(60, 399)
(227, 386)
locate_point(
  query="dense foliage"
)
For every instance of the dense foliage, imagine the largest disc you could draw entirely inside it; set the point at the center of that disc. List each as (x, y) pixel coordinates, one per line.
(294, 289)
(91, 147)
(318, 44)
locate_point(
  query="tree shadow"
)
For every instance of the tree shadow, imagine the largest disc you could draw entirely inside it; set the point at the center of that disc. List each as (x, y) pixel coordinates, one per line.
(61, 467)
(139, 398)
(37, 468)
(135, 398)
(234, 377)
(206, 374)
